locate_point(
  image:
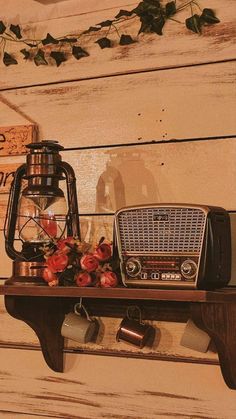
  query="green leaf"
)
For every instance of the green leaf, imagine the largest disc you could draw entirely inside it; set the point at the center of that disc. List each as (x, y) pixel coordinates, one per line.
(208, 16)
(16, 30)
(26, 53)
(170, 8)
(123, 12)
(68, 40)
(92, 29)
(157, 25)
(105, 23)
(154, 3)
(49, 40)
(58, 56)
(8, 59)
(145, 27)
(39, 58)
(104, 43)
(2, 27)
(126, 40)
(79, 52)
(194, 23)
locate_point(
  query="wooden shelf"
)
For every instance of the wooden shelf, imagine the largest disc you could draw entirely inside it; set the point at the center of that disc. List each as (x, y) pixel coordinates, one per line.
(43, 309)
(220, 296)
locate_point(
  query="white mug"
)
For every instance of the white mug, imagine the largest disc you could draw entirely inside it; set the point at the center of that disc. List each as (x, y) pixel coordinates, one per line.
(77, 327)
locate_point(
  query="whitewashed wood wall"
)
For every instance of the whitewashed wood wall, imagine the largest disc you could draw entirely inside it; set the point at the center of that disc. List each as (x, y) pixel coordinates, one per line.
(150, 122)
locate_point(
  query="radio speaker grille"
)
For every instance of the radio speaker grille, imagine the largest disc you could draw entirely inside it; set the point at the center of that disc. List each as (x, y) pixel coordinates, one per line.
(161, 229)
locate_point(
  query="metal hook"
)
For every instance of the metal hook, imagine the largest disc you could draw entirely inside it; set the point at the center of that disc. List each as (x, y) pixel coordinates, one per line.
(81, 307)
(134, 308)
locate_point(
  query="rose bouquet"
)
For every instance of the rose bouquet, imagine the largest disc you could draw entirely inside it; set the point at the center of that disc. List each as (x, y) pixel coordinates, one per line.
(71, 262)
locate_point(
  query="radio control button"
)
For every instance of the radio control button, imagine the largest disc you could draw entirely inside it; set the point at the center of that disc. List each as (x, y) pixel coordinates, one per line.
(188, 269)
(155, 275)
(133, 267)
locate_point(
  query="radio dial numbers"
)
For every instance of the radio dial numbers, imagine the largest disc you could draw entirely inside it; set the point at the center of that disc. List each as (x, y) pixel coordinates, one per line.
(188, 269)
(133, 267)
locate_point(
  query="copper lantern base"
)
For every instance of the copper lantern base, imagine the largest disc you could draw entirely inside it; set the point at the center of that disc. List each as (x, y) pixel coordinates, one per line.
(27, 273)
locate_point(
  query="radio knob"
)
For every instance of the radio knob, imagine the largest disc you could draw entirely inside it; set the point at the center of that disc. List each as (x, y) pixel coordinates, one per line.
(188, 269)
(133, 267)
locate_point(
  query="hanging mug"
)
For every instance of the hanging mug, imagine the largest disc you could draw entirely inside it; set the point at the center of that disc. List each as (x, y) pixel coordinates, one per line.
(133, 330)
(78, 327)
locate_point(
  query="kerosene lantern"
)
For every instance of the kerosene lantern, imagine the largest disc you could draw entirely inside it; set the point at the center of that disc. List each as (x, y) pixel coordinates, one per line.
(38, 212)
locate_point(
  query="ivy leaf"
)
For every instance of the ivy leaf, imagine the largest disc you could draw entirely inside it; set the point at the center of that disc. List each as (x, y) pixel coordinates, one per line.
(194, 23)
(8, 59)
(49, 40)
(39, 58)
(153, 2)
(147, 6)
(2, 27)
(126, 40)
(170, 8)
(92, 29)
(145, 27)
(104, 43)
(26, 53)
(123, 12)
(69, 40)
(58, 56)
(16, 30)
(157, 25)
(208, 16)
(105, 23)
(79, 52)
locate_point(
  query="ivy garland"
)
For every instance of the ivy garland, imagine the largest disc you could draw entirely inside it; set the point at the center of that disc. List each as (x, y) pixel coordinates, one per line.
(152, 15)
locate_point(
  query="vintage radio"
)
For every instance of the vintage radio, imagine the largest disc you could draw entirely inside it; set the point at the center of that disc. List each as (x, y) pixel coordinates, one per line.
(174, 246)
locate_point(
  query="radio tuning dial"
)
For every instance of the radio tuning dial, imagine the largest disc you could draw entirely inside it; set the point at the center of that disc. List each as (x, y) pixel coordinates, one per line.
(133, 267)
(188, 269)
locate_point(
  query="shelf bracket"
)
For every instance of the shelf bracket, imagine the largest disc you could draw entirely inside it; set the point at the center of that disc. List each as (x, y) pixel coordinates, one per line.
(219, 321)
(45, 317)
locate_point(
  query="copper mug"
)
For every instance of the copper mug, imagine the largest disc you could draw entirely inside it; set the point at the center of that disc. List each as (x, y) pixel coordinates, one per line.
(133, 330)
(78, 325)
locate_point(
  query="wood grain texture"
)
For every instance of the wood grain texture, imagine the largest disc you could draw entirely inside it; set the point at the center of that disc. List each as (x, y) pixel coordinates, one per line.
(184, 103)
(177, 47)
(107, 387)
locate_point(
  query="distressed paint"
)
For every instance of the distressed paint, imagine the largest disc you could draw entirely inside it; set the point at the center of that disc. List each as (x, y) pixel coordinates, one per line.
(98, 387)
(177, 47)
(159, 105)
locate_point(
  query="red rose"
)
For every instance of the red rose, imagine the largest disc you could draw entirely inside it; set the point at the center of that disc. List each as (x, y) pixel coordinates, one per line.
(57, 262)
(62, 245)
(89, 263)
(103, 252)
(108, 279)
(48, 275)
(83, 279)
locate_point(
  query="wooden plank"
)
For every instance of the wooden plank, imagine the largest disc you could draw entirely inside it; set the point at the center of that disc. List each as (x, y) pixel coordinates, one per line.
(158, 105)
(13, 139)
(108, 179)
(177, 47)
(28, 12)
(96, 386)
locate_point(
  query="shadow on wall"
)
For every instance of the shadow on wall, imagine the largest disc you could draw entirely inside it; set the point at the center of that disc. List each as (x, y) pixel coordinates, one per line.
(126, 181)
